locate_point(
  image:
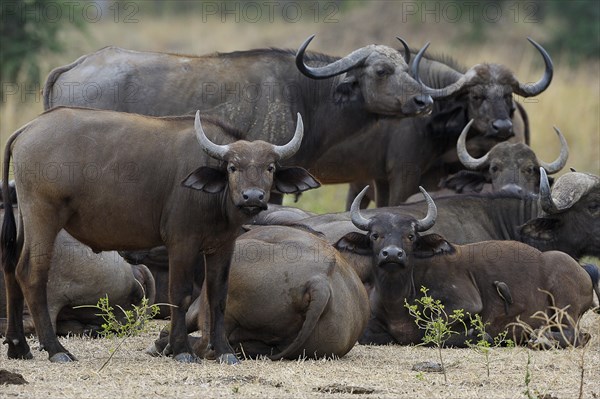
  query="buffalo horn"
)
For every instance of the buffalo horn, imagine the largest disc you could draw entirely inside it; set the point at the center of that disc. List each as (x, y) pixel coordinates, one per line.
(461, 149)
(289, 149)
(335, 68)
(428, 221)
(214, 150)
(358, 220)
(446, 91)
(546, 200)
(406, 50)
(529, 90)
(561, 161)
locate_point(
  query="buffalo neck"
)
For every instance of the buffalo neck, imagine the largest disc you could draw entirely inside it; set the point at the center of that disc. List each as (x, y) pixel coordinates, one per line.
(509, 213)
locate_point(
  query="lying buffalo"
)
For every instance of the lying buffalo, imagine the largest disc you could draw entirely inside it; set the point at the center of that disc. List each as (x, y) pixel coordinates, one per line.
(571, 216)
(502, 281)
(423, 150)
(91, 172)
(565, 218)
(506, 167)
(290, 295)
(79, 277)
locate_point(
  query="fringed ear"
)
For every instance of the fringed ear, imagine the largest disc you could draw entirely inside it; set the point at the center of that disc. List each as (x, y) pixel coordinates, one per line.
(209, 180)
(542, 229)
(466, 181)
(347, 90)
(447, 122)
(294, 180)
(357, 243)
(431, 245)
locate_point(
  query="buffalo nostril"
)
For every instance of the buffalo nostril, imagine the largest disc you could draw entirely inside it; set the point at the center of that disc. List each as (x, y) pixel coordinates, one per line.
(423, 101)
(261, 197)
(245, 197)
(502, 125)
(384, 254)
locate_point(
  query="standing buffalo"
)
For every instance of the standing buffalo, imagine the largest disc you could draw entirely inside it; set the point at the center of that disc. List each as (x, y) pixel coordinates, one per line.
(91, 172)
(80, 277)
(423, 150)
(291, 294)
(256, 91)
(502, 281)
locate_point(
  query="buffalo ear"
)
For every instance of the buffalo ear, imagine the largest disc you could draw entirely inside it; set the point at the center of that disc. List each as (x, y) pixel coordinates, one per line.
(294, 180)
(347, 90)
(540, 229)
(431, 245)
(206, 179)
(466, 181)
(448, 121)
(355, 242)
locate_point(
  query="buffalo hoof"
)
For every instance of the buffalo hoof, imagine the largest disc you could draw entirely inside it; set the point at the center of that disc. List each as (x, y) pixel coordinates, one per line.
(23, 356)
(153, 351)
(186, 358)
(228, 358)
(62, 357)
(18, 351)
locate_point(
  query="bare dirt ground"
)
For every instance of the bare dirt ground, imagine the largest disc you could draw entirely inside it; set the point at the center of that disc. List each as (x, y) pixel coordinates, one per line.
(367, 371)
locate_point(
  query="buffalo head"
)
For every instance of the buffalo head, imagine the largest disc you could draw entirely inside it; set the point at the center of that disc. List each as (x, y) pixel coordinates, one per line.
(250, 171)
(393, 239)
(511, 167)
(489, 92)
(572, 220)
(375, 75)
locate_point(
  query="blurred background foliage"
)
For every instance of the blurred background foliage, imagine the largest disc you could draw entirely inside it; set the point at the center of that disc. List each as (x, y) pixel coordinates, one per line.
(37, 36)
(30, 27)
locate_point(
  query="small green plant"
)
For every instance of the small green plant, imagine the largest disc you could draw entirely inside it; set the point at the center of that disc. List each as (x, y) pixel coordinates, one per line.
(483, 344)
(431, 316)
(134, 321)
(527, 392)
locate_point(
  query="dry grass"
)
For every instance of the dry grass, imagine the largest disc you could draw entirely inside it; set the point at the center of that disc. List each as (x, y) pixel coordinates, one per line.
(369, 371)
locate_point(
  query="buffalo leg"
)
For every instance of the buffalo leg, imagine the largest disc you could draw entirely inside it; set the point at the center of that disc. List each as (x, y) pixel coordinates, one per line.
(183, 259)
(217, 275)
(376, 334)
(15, 334)
(382, 193)
(32, 274)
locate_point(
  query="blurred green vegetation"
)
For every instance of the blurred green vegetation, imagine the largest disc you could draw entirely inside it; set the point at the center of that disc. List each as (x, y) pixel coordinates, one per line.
(29, 27)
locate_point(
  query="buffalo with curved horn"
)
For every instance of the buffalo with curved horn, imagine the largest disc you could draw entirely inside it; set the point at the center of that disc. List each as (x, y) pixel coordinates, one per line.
(497, 288)
(202, 193)
(510, 166)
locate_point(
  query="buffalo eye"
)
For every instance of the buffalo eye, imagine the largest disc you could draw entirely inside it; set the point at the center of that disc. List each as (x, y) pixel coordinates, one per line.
(411, 237)
(374, 236)
(494, 168)
(271, 168)
(529, 170)
(594, 207)
(231, 168)
(381, 72)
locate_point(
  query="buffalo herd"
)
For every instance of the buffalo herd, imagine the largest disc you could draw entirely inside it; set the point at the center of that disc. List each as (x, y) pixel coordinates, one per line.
(168, 186)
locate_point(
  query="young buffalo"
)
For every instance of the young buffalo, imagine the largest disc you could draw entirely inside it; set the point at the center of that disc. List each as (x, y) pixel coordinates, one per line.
(499, 280)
